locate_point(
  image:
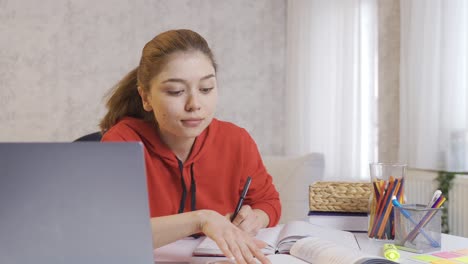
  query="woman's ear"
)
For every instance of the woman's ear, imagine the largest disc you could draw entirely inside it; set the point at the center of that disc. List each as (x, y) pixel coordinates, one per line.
(145, 99)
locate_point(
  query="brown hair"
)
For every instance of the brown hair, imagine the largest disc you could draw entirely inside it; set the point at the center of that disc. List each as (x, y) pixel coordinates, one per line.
(124, 98)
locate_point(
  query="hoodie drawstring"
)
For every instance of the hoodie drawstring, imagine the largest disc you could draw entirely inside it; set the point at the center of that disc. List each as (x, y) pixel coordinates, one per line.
(193, 188)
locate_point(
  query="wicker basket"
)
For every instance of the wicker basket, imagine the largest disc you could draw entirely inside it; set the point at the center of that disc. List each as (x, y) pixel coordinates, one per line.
(339, 196)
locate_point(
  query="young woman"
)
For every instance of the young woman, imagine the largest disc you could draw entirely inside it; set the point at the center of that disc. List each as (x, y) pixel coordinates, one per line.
(196, 165)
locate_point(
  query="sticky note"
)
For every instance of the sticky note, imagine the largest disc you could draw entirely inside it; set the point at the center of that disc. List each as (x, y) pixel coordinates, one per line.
(444, 261)
(462, 259)
(426, 258)
(447, 254)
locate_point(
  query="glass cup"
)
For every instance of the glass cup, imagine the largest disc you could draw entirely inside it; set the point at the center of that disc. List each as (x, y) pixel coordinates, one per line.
(418, 228)
(387, 181)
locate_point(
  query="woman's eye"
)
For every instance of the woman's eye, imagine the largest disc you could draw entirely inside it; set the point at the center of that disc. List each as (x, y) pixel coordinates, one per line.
(175, 93)
(206, 90)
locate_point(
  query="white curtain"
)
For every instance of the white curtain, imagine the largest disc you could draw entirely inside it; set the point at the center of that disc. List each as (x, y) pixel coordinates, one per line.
(331, 83)
(434, 84)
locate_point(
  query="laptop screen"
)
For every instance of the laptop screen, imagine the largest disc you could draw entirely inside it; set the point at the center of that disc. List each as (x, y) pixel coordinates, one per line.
(82, 202)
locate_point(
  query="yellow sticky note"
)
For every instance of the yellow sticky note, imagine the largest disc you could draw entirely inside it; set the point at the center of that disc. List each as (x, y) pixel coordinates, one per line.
(443, 261)
(426, 258)
(462, 259)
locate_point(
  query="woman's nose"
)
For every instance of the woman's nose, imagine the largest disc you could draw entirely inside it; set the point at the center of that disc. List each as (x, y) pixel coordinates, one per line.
(193, 103)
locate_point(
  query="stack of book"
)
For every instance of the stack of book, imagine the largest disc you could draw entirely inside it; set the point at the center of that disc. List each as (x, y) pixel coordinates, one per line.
(347, 221)
(339, 205)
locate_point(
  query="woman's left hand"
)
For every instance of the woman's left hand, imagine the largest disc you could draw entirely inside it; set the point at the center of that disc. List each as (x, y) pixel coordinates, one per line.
(250, 220)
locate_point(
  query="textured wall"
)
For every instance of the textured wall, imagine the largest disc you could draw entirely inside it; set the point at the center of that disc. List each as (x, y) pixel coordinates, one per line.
(389, 80)
(58, 59)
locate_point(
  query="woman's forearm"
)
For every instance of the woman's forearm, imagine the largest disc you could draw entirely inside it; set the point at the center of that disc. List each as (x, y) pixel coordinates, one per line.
(235, 244)
(167, 229)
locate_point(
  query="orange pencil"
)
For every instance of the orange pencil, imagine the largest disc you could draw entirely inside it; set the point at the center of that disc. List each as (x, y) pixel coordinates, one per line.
(373, 209)
(378, 208)
(383, 201)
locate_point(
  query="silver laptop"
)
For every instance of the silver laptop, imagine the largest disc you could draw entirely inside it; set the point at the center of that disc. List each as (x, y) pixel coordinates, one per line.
(83, 202)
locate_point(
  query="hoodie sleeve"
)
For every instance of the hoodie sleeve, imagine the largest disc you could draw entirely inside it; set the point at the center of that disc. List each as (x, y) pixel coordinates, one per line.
(262, 193)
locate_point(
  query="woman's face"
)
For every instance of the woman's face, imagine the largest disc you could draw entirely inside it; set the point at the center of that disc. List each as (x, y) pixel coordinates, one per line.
(183, 96)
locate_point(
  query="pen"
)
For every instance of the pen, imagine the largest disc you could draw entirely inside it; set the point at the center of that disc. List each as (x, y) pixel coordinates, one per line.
(434, 198)
(408, 216)
(241, 198)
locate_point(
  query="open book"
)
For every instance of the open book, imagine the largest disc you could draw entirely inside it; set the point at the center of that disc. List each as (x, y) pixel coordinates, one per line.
(304, 242)
(316, 251)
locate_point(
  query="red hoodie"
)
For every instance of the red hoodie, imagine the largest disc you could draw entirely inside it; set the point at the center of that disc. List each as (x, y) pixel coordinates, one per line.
(214, 174)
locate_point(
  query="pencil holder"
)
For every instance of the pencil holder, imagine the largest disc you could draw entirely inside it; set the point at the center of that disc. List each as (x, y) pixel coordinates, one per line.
(388, 180)
(418, 228)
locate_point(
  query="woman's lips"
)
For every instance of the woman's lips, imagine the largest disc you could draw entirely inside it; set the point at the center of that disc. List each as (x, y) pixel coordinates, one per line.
(194, 122)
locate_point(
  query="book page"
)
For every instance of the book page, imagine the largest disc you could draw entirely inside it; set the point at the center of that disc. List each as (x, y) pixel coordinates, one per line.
(269, 236)
(208, 246)
(282, 259)
(296, 230)
(315, 250)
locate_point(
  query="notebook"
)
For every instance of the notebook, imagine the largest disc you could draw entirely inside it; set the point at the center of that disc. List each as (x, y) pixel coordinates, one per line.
(70, 203)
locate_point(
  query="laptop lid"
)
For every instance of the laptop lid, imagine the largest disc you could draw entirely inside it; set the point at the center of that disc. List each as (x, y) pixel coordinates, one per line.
(82, 202)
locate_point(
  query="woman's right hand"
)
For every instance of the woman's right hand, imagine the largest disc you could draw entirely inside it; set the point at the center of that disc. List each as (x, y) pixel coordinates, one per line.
(233, 242)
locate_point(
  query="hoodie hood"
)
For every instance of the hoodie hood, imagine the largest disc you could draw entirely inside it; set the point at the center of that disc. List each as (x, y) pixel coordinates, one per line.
(149, 133)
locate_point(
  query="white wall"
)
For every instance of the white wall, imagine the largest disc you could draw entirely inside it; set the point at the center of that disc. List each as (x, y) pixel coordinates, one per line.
(58, 59)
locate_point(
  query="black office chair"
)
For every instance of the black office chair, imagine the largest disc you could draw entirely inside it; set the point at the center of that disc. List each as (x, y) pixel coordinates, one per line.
(96, 136)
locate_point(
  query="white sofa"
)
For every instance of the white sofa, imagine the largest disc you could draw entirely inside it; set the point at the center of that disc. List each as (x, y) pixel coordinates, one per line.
(292, 177)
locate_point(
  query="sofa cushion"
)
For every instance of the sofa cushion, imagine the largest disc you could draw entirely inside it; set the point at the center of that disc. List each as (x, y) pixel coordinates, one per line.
(292, 177)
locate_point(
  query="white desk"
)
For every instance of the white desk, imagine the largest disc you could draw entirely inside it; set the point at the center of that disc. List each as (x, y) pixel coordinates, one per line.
(181, 251)
(374, 247)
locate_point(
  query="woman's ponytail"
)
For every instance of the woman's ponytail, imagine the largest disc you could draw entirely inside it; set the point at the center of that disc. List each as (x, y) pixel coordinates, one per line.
(124, 100)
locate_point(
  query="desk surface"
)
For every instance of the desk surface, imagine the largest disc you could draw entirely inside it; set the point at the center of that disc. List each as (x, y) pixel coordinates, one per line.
(374, 247)
(181, 250)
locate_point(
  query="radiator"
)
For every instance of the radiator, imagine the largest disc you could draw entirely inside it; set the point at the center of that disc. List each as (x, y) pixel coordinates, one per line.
(458, 212)
(419, 187)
